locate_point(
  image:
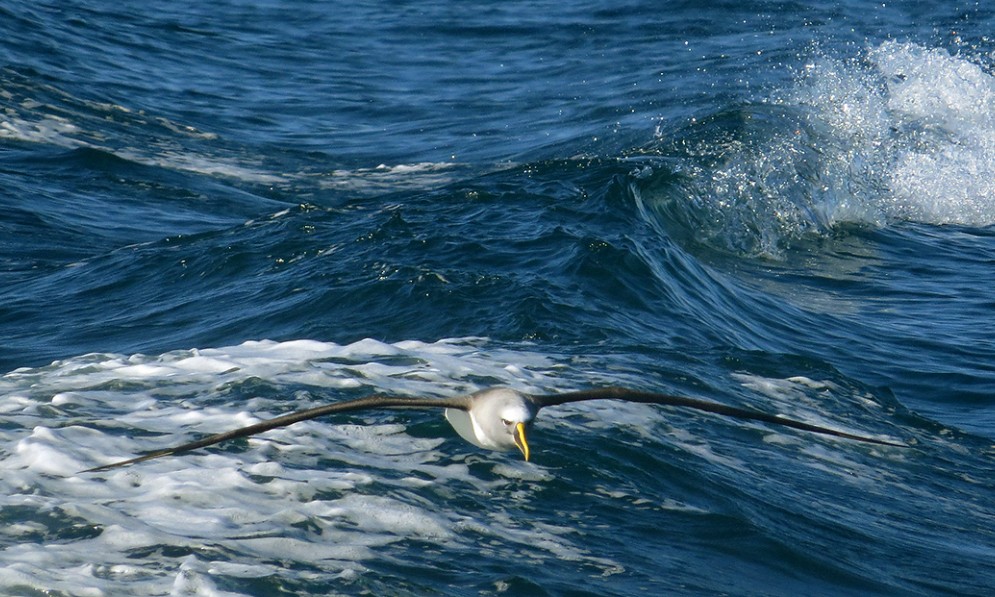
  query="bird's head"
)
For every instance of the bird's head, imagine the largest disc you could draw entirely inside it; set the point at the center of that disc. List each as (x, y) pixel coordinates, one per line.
(497, 419)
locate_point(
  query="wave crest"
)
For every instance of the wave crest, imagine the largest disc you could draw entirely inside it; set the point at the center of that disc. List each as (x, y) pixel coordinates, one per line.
(900, 133)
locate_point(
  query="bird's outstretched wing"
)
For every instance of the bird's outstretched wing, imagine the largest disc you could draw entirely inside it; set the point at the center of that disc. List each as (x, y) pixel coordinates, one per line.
(367, 402)
(628, 395)
(466, 402)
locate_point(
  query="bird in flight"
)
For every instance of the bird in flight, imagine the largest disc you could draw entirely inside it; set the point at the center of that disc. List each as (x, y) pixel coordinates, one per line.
(495, 418)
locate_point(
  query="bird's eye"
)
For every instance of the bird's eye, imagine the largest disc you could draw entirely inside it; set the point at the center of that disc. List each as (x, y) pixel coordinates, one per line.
(506, 422)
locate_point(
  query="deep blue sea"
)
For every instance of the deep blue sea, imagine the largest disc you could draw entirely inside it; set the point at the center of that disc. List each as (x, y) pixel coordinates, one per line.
(212, 213)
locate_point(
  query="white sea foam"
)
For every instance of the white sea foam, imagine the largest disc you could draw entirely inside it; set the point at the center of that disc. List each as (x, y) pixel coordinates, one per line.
(200, 163)
(384, 178)
(803, 399)
(914, 130)
(52, 130)
(331, 494)
(899, 133)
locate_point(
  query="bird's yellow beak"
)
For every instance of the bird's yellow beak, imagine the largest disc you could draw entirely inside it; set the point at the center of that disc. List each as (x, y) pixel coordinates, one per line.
(521, 441)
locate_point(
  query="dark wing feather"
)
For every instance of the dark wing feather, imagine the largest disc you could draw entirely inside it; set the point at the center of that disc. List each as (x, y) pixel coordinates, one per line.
(705, 405)
(367, 402)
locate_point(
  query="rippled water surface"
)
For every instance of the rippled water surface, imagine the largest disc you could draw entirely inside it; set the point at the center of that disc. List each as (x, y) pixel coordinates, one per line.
(215, 213)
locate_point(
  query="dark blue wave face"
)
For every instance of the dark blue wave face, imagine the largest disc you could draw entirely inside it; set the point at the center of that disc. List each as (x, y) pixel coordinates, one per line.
(782, 206)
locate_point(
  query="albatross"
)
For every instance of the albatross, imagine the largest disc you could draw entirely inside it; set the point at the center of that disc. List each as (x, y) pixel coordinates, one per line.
(495, 418)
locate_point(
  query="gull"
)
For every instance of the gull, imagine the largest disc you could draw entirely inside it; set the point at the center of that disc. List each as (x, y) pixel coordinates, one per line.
(496, 418)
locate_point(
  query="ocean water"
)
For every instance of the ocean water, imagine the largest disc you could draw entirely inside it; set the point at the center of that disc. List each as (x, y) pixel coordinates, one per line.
(214, 213)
